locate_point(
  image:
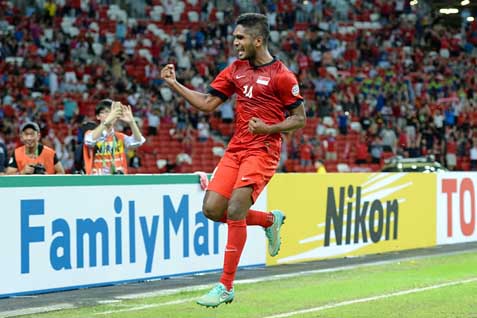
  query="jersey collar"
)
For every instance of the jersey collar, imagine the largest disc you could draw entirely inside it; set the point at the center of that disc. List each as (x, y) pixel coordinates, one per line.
(263, 65)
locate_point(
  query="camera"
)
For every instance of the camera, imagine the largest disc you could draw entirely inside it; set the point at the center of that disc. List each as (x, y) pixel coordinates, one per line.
(39, 169)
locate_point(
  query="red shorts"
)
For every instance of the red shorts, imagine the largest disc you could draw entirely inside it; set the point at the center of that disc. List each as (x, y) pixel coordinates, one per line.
(243, 168)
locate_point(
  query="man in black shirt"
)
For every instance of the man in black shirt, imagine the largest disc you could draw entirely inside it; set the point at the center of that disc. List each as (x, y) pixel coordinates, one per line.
(3, 156)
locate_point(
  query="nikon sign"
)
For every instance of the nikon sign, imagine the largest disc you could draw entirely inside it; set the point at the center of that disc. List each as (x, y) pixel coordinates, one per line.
(357, 220)
(350, 214)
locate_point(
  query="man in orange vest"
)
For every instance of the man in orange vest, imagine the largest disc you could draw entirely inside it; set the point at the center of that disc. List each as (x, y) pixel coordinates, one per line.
(104, 149)
(33, 157)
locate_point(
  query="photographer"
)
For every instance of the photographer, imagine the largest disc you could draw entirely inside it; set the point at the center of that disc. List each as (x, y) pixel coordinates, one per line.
(104, 148)
(33, 157)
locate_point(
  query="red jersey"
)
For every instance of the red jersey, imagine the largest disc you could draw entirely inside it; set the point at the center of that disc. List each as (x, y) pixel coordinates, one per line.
(266, 92)
(451, 147)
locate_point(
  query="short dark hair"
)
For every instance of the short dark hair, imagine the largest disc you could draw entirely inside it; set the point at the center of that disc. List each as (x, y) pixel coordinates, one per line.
(256, 23)
(102, 105)
(87, 125)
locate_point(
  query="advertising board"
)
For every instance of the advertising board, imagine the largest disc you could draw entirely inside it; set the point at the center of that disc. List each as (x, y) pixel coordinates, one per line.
(76, 231)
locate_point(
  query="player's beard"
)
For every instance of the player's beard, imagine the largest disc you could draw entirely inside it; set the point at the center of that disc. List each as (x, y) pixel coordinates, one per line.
(246, 53)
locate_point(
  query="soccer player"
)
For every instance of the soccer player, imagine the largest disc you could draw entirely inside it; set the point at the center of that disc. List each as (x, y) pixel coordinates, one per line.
(266, 90)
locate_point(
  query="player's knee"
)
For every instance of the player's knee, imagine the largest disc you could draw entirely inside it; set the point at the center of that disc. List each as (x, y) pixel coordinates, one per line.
(236, 211)
(212, 212)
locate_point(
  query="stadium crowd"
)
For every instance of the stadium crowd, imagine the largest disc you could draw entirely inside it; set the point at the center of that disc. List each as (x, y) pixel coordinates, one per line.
(380, 78)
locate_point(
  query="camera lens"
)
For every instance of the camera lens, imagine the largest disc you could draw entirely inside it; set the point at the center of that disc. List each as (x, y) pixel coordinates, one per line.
(39, 169)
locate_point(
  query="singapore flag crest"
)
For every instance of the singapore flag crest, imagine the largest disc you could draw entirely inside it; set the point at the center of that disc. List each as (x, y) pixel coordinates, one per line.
(263, 80)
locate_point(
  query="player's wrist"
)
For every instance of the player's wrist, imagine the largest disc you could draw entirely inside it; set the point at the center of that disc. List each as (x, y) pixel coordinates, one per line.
(270, 130)
(174, 84)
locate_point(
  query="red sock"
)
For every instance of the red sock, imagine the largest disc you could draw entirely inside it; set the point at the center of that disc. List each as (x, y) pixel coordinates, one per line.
(264, 219)
(236, 237)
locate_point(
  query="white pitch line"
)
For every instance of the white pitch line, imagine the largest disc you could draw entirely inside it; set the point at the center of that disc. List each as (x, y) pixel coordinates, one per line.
(35, 310)
(369, 299)
(251, 281)
(136, 308)
(168, 292)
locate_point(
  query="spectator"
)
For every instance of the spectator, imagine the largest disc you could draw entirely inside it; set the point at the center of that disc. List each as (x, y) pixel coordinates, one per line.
(53, 80)
(227, 111)
(439, 122)
(121, 31)
(376, 149)
(320, 127)
(66, 156)
(414, 149)
(306, 150)
(389, 138)
(168, 11)
(473, 155)
(153, 121)
(70, 109)
(78, 161)
(203, 130)
(33, 157)
(451, 152)
(449, 115)
(362, 150)
(320, 167)
(329, 145)
(3, 156)
(343, 122)
(49, 11)
(106, 148)
(134, 159)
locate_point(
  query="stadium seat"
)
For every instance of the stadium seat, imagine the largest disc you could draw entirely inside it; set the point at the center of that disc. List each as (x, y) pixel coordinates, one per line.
(274, 36)
(156, 13)
(193, 16)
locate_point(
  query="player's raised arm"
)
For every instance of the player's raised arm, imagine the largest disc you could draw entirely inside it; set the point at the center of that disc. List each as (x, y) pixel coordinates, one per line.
(203, 102)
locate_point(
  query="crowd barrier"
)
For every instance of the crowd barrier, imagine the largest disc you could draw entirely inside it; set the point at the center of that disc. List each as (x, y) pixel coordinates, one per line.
(66, 232)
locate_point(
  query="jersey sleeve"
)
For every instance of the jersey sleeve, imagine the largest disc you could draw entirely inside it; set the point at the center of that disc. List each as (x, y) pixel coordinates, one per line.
(289, 90)
(222, 86)
(131, 142)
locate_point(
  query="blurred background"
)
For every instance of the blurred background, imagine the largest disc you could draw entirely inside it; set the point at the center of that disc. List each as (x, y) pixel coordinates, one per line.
(380, 78)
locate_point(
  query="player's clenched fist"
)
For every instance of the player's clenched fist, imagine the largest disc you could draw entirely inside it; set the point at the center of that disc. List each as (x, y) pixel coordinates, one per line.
(257, 126)
(168, 73)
